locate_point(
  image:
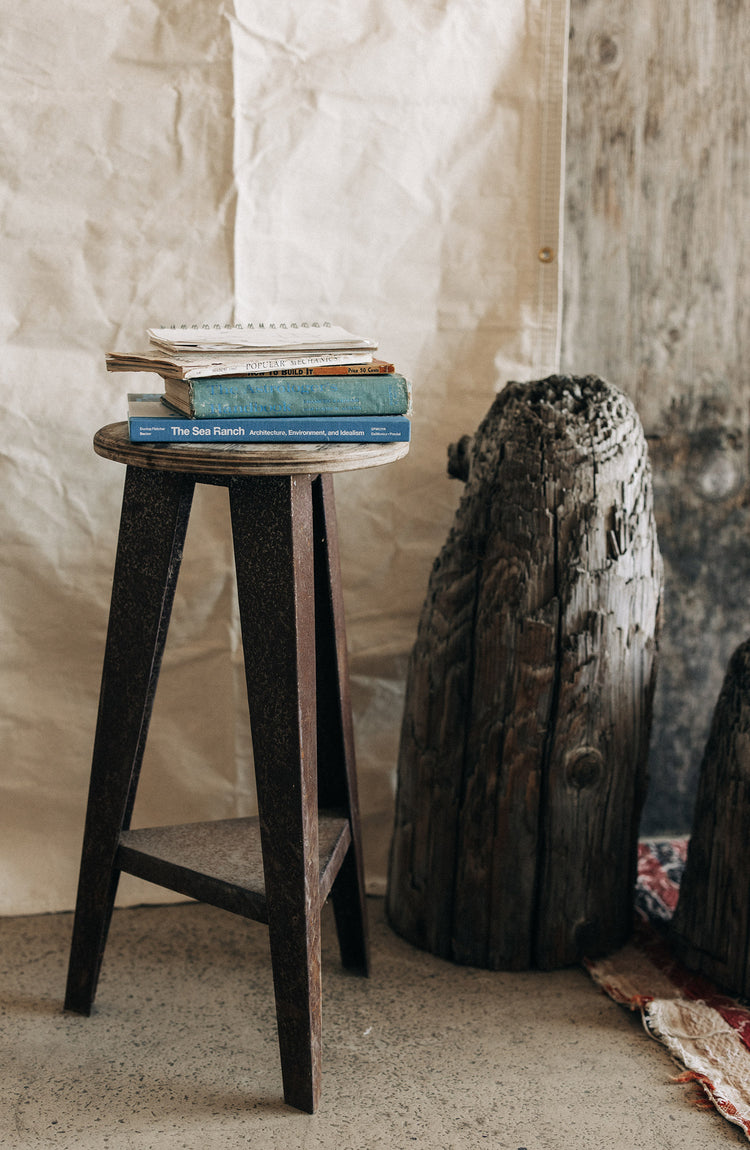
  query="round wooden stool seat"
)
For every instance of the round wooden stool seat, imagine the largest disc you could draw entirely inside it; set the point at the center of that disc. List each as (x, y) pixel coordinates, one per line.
(112, 442)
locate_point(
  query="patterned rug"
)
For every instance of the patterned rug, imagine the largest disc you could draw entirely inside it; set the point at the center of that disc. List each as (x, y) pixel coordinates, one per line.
(706, 1032)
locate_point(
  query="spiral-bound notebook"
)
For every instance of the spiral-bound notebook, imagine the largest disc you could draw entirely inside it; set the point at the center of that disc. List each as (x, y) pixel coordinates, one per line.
(271, 337)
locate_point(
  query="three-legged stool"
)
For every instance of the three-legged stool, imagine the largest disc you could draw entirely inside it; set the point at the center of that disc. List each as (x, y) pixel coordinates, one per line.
(280, 867)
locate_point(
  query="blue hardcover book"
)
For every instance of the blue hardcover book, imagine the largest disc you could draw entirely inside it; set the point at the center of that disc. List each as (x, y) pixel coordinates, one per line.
(151, 420)
(386, 394)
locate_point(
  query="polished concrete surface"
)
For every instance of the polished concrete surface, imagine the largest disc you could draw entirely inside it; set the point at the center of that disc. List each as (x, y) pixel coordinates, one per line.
(181, 1050)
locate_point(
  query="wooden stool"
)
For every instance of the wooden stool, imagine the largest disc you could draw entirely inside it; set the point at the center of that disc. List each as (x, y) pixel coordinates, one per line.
(277, 868)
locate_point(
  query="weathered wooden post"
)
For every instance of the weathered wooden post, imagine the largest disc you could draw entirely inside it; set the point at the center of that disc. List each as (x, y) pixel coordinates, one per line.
(523, 750)
(711, 924)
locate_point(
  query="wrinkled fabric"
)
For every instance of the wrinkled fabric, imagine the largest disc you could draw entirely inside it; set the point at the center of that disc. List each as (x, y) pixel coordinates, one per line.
(390, 166)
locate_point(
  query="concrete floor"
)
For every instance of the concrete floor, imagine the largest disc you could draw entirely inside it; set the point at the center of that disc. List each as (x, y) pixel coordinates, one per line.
(181, 1050)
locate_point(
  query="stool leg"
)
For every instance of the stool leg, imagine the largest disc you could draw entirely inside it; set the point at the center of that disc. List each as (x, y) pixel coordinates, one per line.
(155, 511)
(272, 530)
(337, 779)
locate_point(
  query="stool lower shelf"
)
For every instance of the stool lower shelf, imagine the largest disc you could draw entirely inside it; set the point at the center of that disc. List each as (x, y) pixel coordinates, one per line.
(221, 862)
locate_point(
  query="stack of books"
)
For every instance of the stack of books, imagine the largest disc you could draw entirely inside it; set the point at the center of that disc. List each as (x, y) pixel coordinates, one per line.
(266, 383)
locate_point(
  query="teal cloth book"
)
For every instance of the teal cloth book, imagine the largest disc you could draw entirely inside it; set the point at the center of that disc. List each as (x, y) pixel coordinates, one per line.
(387, 394)
(151, 420)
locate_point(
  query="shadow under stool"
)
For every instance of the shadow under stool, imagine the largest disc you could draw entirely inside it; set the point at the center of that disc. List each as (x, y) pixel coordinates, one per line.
(279, 867)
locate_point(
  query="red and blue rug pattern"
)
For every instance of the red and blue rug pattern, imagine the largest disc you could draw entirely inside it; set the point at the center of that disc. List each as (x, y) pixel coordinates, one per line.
(706, 1031)
(661, 863)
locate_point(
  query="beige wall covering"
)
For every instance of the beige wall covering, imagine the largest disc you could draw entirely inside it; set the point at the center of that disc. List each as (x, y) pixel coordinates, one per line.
(394, 166)
(657, 284)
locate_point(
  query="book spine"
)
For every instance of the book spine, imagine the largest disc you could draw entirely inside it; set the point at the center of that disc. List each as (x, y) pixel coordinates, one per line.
(189, 367)
(322, 395)
(356, 429)
(261, 366)
(377, 367)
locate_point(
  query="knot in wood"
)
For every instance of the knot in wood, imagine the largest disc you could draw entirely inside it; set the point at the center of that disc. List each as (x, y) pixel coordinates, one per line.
(583, 767)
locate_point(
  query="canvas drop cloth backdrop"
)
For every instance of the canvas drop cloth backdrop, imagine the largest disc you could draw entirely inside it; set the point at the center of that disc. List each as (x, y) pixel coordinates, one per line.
(391, 165)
